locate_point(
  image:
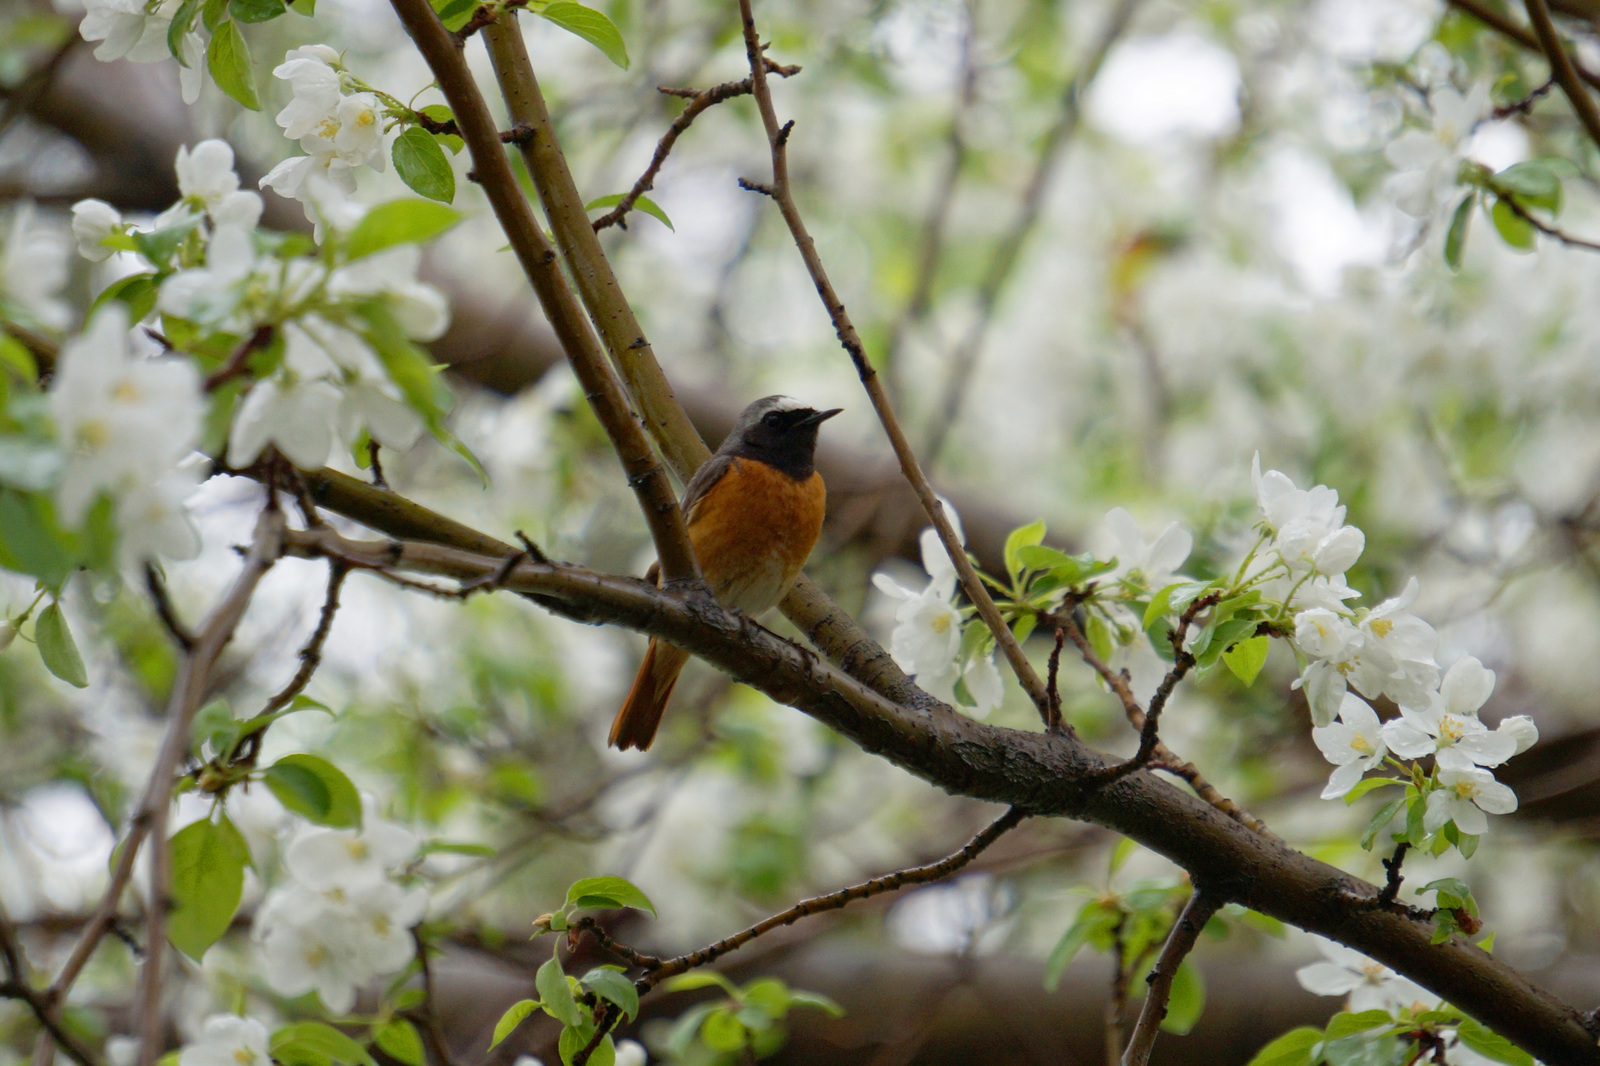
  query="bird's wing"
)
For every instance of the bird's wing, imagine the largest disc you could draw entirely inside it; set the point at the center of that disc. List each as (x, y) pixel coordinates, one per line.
(709, 474)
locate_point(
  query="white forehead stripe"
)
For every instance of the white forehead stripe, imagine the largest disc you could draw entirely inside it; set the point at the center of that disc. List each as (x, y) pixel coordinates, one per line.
(789, 403)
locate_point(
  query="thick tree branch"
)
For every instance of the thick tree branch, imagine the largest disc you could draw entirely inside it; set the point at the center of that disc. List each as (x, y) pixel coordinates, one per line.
(541, 264)
(782, 195)
(1042, 774)
(1505, 27)
(1180, 941)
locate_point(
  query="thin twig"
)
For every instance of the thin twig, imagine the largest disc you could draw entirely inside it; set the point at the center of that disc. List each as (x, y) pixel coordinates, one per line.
(376, 464)
(588, 924)
(1180, 941)
(699, 101)
(432, 1032)
(1504, 26)
(1561, 65)
(1053, 677)
(1525, 105)
(238, 361)
(1391, 867)
(1008, 253)
(194, 681)
(915, 875)
(18, 985)
(1117, 1002)
(782, 195)
(163, 605)
(1510, 200)
(311, 654)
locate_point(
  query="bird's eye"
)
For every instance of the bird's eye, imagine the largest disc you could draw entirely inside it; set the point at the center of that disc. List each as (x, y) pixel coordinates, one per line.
(772, 419)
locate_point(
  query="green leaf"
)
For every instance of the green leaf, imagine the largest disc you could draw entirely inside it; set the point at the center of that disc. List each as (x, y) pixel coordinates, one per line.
(1291, 1049)
(179, 26)
(688, 982)
(454, 847)
(551, 981)
(1452, 892)
(255, 10)
(1022, 537)
(575, 1039)
(1491, 1045)
(212, 14)
(1160, 605)
(1533, 183)
(607, 892)
(314, 788)
(1187, 1001)
(512, 1018)
(1384, 816)
(1246, 658)
(228, 60)
(308, 8)
(1515, 230)
(1456, 239)
(57, 648)
(817, 1000)
(1416, 810)
(591, 25)
(421, 164)
(642, 203)
(208, 861)
(1369, 784)
(722, 1031)
(137, 292)
(613, 987)
(399, 222)
(1093, 918)
(455, 13)
(400, 1040)
(314, 1044)
(1346, 1024)
(31, 540)
(15, 356)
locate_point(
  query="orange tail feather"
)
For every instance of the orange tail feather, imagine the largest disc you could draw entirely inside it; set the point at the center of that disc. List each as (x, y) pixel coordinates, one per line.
(636, 723)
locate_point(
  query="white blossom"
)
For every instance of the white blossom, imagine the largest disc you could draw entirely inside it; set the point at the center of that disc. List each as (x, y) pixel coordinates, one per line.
(423, 313)
(289, 412)
(1427, 162)
(33, 268)
(212, 295)
(137, 31)
(125, 423)
(1406, 644)
(631, 1053)
(208, 184)
(1151, 565)
(1354, 744)
(92, 222)
(1369, 985)
(1448, 728)
(228, 1040)
(1463, 796)
(927, 632)
(314, 81)
(1307, 524)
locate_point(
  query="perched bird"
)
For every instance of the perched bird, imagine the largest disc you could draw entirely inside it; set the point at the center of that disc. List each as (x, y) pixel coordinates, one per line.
(754, 511)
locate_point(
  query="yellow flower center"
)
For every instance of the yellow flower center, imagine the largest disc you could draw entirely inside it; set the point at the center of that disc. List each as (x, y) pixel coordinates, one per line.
(1450, 729)
(357, 849)
(1381, 627)
(244, 1056)
(94, 434)
(328, 127)
(1465, 789)
(316, 956)
(126, 392)
(940, 624)
(1361, 744)
(367, 118)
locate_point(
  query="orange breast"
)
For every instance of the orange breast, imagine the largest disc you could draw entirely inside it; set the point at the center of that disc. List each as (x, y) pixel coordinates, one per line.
(752, 532)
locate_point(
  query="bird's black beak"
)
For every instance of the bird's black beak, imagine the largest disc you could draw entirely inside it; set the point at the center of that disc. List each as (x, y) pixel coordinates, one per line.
(818, 417)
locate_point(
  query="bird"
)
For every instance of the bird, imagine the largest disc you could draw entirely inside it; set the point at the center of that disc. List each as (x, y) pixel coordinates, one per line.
(754, 511)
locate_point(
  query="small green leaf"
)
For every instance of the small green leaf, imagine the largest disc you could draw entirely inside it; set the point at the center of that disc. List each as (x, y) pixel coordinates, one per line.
(1369, 784)
(315, 1044)
(1187, 1001)
(208, 861)
(1456, 239)
(512, 1018)
(1515, 230)
(817, 1000)
(1346, 1024)
(441, 113)
(593, 26)
(57, 648)
(400, 1040)
(1533, 183)
(1246, 658)
(1384, 816)
(15, 356)
(1160, 605)
(454, 847)
(212, 14)
(688, 982)
(179, 26)
(722, 1031)
(421, 164)
(1491, 1045)
(1022, 537)
(607, 892)
(551, 981)
(1093, 918)
(576, 1038)
(308, 8)
(1291, 1049)
(137, 292)
(642, 203)
(255, 10)
(399, 222)
(455, 13)
(228, 60)
(613, 987)
(313, 787)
